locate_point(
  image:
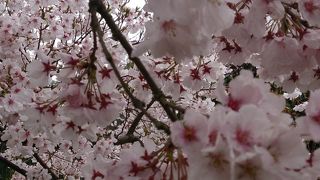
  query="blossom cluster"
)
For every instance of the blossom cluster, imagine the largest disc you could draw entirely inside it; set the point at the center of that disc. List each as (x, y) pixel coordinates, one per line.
(177, 89)
(246, 137)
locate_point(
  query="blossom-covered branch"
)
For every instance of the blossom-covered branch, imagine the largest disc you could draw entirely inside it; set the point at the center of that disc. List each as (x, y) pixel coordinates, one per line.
(158, 94)
(167, 89)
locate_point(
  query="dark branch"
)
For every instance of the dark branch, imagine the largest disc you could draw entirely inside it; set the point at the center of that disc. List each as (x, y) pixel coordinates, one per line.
(96, 28)
(158, 94)
(136, 102)
(158, 124)
(128, 139)
(138, 118)
(13, 166)
(45, 166)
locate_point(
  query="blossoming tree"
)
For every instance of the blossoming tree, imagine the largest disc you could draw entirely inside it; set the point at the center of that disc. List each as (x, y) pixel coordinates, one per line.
(178, 89)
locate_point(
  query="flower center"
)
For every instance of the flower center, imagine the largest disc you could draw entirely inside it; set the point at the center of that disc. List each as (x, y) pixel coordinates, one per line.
(316, 119)
(218, 161)
(234, 104)
(189, 134)
(243, 137)
(309, 6)
(169, 26)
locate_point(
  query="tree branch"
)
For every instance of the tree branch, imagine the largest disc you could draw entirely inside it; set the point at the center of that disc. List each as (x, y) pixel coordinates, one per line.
(136, 121)
(45, 166)
(136, 102)
(117, 34)
(13, 166)
(96, 28)
(128, 139)
(158, 124)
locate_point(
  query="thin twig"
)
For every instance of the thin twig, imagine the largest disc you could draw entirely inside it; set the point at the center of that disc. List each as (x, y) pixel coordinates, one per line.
(136, 121)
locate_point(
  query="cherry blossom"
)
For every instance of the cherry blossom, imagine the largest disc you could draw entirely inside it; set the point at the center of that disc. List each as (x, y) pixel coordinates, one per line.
(311, 120)
(176, 89)
(310, 11)
(174, 33)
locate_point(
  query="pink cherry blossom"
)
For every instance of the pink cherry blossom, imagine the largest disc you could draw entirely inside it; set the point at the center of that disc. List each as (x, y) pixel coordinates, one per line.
(311, 121)
(176, 89)
(310, 11)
